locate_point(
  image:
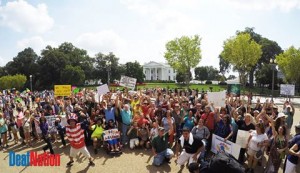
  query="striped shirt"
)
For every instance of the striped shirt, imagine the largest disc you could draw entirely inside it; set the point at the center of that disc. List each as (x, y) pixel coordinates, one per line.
(75, 136)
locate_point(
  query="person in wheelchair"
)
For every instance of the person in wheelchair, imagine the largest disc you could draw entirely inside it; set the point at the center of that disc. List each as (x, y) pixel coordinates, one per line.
(113, 144)
(97, 131)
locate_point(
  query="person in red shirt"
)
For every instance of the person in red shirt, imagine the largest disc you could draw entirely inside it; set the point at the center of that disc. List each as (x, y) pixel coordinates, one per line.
(209, 118)
(76, 137)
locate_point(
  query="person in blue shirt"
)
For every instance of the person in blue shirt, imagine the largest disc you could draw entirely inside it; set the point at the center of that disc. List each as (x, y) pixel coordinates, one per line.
(126, 119)
(291, 159)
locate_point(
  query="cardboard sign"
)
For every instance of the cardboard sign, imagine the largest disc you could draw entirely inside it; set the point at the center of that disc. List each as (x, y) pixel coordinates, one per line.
(50, 120)
(234, 89)
(111, 134)
(218, 145)
(128, 82)
(288, 90)
(242, 138)
(62, 90)
(103, 89)
(218, 98)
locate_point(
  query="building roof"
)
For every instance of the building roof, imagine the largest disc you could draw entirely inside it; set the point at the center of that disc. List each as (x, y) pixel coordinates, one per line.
(156, 64)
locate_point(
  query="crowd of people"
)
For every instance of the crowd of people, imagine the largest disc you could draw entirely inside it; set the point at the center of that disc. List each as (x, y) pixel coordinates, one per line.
(172, 123)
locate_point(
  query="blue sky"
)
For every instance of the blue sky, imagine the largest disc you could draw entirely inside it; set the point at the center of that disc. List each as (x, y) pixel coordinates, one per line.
(139, 29)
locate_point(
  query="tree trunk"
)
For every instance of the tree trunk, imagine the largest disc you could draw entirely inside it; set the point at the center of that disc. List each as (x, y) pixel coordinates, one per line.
(251, 77)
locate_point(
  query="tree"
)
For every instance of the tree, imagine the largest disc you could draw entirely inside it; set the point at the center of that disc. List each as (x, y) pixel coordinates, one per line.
(101, 67)
(289, 62)
(24, 63)
(201, 73)
(183, 54)
(243, 53)
(181, 77)
(269, 50)
(135, 70)
(262, 76)
(231, 77)
(72, 75)
(206, 73)
(15, 81)
(224, 65)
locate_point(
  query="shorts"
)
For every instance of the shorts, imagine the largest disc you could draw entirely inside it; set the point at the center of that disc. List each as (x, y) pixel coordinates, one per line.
(251, 152)
(27, 129)
(133, 142)
(83, 150)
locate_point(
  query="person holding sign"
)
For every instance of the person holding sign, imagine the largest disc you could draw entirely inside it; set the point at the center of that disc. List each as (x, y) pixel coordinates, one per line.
(113, 143)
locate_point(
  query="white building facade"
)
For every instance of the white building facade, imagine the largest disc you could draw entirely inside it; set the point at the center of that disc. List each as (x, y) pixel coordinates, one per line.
(159, 71)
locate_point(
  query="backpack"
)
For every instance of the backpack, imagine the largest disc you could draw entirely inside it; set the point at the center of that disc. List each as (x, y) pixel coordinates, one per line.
(222, 162)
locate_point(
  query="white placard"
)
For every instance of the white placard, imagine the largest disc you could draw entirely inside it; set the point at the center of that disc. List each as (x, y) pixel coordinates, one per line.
(50, 120)
(128, 82)
(218, 145)
(287, 89)
(103, 89)
(111, 134)
(242, 138)
(218, 98)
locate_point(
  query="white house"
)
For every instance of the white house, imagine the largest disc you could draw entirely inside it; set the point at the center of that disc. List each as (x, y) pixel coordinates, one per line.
(159, 71)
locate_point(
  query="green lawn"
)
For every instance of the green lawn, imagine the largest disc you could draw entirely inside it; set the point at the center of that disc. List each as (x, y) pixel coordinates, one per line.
(200, 87)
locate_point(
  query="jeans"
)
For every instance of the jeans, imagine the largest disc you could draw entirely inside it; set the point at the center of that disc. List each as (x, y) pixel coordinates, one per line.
(160, 157)
(49, 145)
(62, 137)
(124, 133)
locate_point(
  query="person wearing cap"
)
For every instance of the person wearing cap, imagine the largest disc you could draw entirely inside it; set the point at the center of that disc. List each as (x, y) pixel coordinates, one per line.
(76, 138)
(191, 147)
(160, 146)
(291, 160)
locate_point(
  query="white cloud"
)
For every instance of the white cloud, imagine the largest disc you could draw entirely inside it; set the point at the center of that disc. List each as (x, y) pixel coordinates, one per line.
(283, 5)
(23, 17)
(37, 43)
(104, 41)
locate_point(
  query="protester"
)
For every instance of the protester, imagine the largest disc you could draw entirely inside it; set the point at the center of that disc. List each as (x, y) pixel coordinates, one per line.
(191, 148)
(76, 138)
(160, 144)
(133, 136)
(292, 158)
(256, 143)
(44, 128)
(3, 131)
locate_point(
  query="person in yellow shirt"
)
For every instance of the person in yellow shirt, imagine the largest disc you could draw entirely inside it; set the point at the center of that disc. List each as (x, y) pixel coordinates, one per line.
(97, 133)
(135, 104)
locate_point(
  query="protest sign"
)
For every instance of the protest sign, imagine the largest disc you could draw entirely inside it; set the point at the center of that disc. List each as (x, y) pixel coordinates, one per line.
(103, 89)
(62, 90)
(50, 120)
(218, 145)
(111, 134)
(234, 89)
(218, 98)
(242, 138)
(288, 90)
(128, 82)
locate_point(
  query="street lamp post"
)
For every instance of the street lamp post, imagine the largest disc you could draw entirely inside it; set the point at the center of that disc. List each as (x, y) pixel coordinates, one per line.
(273, 65)
(30, 82)
(108, 68)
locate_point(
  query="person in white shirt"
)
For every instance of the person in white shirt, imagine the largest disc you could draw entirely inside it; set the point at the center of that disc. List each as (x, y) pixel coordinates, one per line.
(256, 143)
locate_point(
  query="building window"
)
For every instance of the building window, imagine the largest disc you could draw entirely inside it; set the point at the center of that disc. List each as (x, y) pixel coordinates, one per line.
(169, 77)
(173, 70)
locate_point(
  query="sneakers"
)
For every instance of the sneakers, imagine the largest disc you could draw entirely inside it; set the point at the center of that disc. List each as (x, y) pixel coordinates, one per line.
(70, 163)
(91, 163)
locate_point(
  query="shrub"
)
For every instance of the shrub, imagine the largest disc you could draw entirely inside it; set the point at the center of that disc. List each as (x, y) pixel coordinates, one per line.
(208, 82)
